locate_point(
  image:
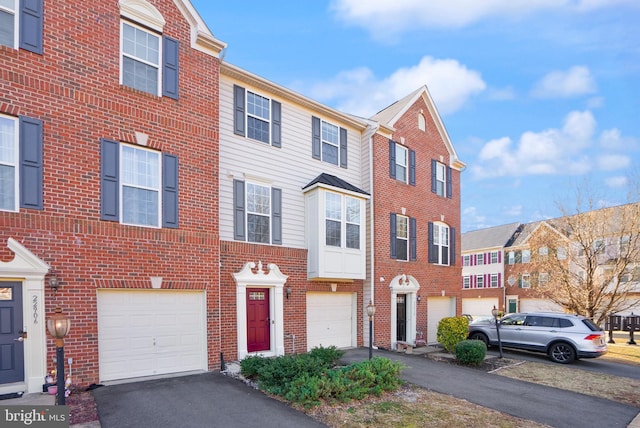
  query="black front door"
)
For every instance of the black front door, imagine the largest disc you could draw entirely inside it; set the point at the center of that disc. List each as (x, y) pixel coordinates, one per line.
(401, 318)
(11, 345)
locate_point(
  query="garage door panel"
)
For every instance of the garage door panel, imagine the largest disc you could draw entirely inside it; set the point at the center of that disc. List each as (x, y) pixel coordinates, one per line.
(330, 320)
(437, 308)
(144, 333)
(479, 307)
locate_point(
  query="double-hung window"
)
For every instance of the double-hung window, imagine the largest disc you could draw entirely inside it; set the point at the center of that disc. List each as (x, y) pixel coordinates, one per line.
(495, 280)
(21, 24)
(257, 212)
(8, 23)
(466, 281)
(8, 164)
(479, 281)
(149, 59)
(342, 213)
(20, 163)
(466, 260)
(526, 256)
(139, 186)
(442, 248)
(403, 237)
(402, 163)
(329, 142)
(495, 257)
(140, 58)
(256, 116)
(525, 280)
(441, 177)
(480, 259)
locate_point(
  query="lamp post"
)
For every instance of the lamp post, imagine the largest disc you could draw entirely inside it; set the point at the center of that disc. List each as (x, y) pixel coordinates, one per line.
(371, 311)
(58, 326)
(496, 314)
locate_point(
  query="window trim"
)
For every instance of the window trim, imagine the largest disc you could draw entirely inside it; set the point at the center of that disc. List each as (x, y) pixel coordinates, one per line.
(268, 120)
(343, 220)
(240, 230)
(159, 67)
(248, 212)
(16, 25)
(436, 248)
(122, 185)
(15, 162)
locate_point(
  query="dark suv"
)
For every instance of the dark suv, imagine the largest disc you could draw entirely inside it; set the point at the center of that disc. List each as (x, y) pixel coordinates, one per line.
(563, 337)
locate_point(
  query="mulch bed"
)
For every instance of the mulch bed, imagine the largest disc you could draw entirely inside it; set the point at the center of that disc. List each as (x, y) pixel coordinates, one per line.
(82, 407)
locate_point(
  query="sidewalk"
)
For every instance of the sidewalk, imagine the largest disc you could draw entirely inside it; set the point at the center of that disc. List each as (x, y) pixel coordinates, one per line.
(551, 406)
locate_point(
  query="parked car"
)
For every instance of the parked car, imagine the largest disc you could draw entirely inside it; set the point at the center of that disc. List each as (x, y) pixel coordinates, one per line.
(563, 337)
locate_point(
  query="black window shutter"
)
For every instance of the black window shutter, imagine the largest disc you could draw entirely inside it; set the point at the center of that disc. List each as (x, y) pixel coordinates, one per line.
(170, 67)
(238, 110)
(315, 137)
(343, 148)
(452, 246)
(169, 191)
(412, 167)
(392, 159)
(393, 236)
(434, 183)
(109, 176)
(449, 183)
(31, 12)
(276, 124)
(30, 163)
(413, 238)
(276, 216)
(433, 250)
(238, 210)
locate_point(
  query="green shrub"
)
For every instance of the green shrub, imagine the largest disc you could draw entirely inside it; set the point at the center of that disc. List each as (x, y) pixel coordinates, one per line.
(471, 352)
(452, 330)
(250, 366)
(308, 379)
(329, 356)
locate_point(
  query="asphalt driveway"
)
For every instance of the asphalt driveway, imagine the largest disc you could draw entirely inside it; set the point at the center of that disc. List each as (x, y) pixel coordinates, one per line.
(198, 401)
(216, 400)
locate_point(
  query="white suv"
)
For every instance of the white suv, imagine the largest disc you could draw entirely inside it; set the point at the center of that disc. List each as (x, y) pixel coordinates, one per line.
(561, 336)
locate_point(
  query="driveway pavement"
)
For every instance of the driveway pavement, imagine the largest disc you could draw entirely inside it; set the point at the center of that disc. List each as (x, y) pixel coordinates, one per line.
(216, 400)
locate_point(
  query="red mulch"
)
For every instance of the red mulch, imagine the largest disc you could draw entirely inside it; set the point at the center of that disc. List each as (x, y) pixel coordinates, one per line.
(82, 407)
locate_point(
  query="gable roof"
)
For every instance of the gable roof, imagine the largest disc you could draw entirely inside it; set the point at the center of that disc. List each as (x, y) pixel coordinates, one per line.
(391, 114)
(491, 237)
(333, 181)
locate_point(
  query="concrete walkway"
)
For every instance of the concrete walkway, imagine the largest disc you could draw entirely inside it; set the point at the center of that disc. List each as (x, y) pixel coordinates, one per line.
(554, 407)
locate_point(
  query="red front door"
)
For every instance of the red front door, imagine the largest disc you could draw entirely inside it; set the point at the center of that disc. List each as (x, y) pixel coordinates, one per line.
(258, 320)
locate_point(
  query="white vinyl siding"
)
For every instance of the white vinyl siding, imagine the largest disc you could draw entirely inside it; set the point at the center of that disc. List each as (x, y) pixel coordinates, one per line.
(289, 168)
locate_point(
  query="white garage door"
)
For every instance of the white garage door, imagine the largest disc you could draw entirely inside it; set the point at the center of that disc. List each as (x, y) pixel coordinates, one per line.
(438, 308)
(538, 305)
(479, 307)
(331, 320)
(150, 332)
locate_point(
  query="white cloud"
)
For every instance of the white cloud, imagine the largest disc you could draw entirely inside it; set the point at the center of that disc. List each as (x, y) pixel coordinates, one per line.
(552, 151)
(383, 17)
(613, 162)
(451, 85)
(564, 84)
(616, 182)
(513, 211)
(612, 139)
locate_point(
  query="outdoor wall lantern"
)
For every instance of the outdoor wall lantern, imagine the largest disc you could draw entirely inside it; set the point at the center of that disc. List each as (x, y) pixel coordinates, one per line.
(371, 311)
(496, 314)
(287, 292)
(58, 326)
(53, 282)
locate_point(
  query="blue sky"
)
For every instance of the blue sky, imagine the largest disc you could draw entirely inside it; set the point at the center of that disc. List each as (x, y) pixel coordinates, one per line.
(539, 97)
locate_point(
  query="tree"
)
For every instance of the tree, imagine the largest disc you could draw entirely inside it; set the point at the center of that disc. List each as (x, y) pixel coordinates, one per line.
(588, 261)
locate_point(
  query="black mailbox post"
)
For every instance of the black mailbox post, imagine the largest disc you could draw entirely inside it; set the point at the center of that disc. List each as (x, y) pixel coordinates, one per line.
(631, 324)
(614, 322)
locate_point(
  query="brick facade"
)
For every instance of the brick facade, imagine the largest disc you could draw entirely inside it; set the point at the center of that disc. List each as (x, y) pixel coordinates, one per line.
(73, 87)
(419, 202)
